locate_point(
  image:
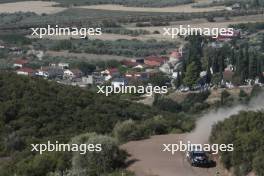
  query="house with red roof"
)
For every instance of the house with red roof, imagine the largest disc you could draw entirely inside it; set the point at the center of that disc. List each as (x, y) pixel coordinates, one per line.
(25, 71)
(19, 63)
(129, 63)
(155, 61)
(228, 36)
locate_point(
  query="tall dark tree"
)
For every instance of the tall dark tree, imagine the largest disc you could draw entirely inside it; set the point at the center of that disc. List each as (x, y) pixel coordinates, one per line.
(246, 61)
(253, 66)
(192, 75)
(195, 51)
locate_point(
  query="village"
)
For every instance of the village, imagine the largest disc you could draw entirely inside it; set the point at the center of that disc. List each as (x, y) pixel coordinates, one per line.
(130, 71)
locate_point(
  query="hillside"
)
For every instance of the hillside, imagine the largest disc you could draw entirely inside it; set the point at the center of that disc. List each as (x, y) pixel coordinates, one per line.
(34, 111)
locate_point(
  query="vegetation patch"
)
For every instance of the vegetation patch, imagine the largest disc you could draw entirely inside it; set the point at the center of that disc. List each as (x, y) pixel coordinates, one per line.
(245, 131)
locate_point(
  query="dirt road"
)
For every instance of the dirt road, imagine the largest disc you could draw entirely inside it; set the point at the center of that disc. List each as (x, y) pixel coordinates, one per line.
(148, 158)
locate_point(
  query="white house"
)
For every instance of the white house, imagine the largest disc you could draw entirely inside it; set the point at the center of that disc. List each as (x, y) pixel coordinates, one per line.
(71, 74)
(63, 65)
(165, 68)
(139, 66)
(118, 82)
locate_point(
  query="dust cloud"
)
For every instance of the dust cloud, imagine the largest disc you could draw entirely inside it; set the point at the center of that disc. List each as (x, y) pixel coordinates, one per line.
(204, 125)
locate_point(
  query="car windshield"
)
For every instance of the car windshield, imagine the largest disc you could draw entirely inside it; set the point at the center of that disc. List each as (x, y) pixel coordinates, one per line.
(199, 154)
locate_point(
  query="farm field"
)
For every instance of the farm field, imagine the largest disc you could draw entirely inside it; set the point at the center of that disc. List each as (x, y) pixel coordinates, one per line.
(132, 3)
(187, 8)
(220, 23)
(39, 7)
(85, 56)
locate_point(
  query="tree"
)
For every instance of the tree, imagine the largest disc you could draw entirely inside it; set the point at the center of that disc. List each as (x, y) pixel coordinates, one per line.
(195, 51)
(246, 61)
(262, 43)
(217, 78)
(208, 77)
(258, 163)
(86, 68)
(244, 131)
(192, 75)
(178, 81)
(253, 66)
(159, 80)
(256, 3)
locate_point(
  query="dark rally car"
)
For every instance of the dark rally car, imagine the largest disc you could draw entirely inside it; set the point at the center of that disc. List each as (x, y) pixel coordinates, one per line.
(199, 159)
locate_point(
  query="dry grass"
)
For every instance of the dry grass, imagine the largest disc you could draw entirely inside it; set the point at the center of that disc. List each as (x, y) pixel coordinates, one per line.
(38, 7)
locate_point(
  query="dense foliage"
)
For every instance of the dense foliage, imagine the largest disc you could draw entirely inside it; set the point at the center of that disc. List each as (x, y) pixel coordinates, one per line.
(193, 103)
(15, 39)
(242, 57)
(250, 27)
(245, 131)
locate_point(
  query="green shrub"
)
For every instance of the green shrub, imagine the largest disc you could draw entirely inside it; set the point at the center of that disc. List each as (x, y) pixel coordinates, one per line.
(97, 163)
(242, 94)
(194, 98)
(157, 125)
(128, 130)
(166, 104)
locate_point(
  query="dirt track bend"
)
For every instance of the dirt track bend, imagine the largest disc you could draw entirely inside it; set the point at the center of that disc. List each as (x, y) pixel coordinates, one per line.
(150, 160)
